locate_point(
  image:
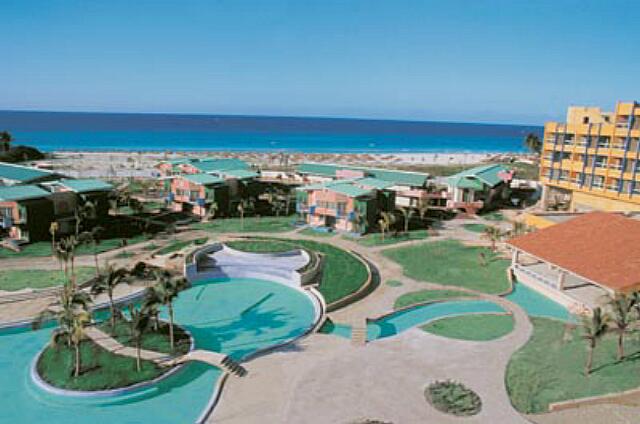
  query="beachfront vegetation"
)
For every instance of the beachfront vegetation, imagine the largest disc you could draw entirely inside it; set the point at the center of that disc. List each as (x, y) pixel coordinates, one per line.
(343, 273)
(449, 262)
(453, 398)
(424, 296)
(18, 279)
(549, 368)
(267, 224)
(477, 327)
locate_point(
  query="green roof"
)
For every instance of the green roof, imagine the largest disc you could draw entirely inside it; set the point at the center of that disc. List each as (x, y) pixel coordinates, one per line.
(21, 192)
(203, 179)
(240, 174)
(393, 176)
(374, 182)
(486, 174)
(219, 165)
(86, 185)
(348, 189)
(22, 174)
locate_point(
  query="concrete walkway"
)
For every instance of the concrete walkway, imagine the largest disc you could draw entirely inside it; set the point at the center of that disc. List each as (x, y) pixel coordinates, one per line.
(110, 344)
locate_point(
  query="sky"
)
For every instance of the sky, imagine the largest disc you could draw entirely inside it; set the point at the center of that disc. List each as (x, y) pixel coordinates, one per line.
(476, 60)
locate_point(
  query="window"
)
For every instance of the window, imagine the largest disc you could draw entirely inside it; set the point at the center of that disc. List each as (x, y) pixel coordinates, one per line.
(341, 208)
(598, 181)
(585, 120)
(604, 142)
(601, 161)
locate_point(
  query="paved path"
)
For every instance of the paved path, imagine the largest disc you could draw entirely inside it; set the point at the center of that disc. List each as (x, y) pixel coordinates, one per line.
(110, 344)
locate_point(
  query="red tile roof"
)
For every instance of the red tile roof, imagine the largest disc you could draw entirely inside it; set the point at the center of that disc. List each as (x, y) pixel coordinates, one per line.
(599, 246)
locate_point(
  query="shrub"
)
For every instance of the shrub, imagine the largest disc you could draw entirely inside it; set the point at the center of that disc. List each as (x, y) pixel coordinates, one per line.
(453, 398)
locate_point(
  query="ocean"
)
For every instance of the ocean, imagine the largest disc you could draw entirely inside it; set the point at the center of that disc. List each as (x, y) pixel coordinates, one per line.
(51, 131)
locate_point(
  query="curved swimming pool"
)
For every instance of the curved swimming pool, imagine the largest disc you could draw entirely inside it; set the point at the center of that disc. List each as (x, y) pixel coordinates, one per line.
(233, 316)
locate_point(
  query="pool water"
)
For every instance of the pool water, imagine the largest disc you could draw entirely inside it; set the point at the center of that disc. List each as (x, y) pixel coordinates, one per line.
(402, 320)
(536, 304)
(236, 317)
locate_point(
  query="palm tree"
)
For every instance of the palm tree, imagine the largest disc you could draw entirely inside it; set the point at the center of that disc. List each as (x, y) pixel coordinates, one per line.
(213, 210)
(622, 307)
(54, 227)
(386, 222)
(167, 289)
(65, 252)
(242, 207)
(592, 331)
(533, 143)
(407, 214)
(357, 220)
(140, 324)
(151, 304)
(106, 283)
(493, 234)
(92, 238)
(5, 141)
(84, 212)
(518, 228)
(71, 311)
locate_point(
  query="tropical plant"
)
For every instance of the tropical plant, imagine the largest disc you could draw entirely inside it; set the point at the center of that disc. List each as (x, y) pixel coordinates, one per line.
(151, 304)
(387, 220)
(493, 234)
(453, 398)
(533, 143)
(213, 210)
(357, 219)
(139, 325)
(5, 141)
(71, 311)
(92, 238)
(407, 214)
(518, 228)
(167, 289)
(136, 206)
(622, 308)
(65, 252)
(593, 328)
(54, 227)
(84, 212)
(106, 283)
(243, 206)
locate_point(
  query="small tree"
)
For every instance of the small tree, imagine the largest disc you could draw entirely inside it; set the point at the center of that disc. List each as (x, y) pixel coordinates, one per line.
(106, 283)
(493, 234)
(54, 227)
(82, 213)
(533, 143)
(243, 206)
(593, 329)
(167, 289)
(622, 307)
(139, 325)
(407, 214)
(213, 210)
(5, 141)
(65, 252)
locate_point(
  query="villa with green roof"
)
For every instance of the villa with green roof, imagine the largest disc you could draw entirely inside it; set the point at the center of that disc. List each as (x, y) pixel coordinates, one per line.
(478, 188)
(12, 174)
(351, 205)
(412, 189)
(196, 193)
(26, 212)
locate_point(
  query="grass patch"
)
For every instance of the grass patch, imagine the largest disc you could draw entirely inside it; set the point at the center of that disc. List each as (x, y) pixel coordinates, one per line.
(450, 262)
(43, 248)
(267, 224)
(315, 233)
(12, 280)
(156, 341)
(549, 368)
(376, 239)
(423, 296)
(394, 283)
(476, 327)
(475, 228)
(453, 398)
(176, 245)
(343, 273)
(494, 216)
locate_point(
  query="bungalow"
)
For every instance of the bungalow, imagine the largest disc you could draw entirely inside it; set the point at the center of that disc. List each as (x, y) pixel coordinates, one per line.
(11, 174)
(482, 187)
(196, 193)
(26, 212)
(346, 205)
(412, 189)
(579, 261)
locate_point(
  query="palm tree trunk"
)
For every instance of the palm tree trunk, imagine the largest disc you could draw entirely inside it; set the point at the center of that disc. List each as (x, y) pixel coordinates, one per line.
(76, 373)
(587, 368)
(621, 345)
(138, 366)
(95, 258)
(171, 324)
(112, 308)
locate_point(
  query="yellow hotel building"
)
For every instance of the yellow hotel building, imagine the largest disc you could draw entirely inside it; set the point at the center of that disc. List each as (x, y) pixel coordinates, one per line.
(592, 161)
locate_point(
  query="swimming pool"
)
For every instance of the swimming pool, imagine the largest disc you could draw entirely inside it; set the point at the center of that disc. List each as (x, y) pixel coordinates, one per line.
(536, 304)
(233, 316)
(404, 319)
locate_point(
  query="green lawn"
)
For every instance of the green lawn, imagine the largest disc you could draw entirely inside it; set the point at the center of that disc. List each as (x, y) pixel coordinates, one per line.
(12, 280)
(450, 262)
(475, 228)
(155, 341)
(343, 273)
(270, 224)
(375, 239)
(394, 283)
(315, 233)
(494, 216)
(423, 296)
(176, 245)
(549, 368)
(43, 248)
(477, 327)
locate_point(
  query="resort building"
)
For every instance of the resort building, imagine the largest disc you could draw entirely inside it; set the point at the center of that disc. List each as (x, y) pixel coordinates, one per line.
(482, 187)
(412, 189)
(11, 174)
(197, 193)
(352, 205)
(591, 161)
(26, 212)
(579, 261)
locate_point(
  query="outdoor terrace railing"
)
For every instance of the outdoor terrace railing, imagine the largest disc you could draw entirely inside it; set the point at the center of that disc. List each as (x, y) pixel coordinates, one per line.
(537, 276)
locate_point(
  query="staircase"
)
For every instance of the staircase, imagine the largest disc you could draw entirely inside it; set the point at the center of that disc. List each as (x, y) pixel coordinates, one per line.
(233, 367)
(359, 334)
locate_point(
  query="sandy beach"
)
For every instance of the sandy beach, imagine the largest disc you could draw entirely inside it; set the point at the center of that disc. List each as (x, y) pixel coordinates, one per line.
(84, 164)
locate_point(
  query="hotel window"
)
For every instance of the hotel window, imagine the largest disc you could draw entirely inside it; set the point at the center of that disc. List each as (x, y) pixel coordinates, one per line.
(564, 176)
(604, 142)
(341, 208)
(601, 161)
(584, 141)
(568, 139)
(577, 179)
(598, 181)
(635, 188)
(613, 185)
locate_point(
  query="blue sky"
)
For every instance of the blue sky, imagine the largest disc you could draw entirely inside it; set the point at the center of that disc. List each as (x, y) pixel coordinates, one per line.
(481, 61)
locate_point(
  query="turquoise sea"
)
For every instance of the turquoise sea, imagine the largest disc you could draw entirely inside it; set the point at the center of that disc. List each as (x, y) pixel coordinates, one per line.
(143, 132)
